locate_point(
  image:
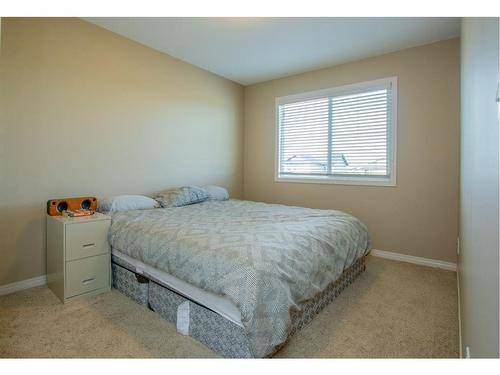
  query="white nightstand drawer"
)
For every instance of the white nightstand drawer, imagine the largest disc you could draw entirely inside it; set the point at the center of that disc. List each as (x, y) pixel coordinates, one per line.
(85, 275)
(78, 255)
(86, 239)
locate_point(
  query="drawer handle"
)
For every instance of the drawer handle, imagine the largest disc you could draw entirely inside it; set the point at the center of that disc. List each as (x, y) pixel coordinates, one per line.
(86, 246)
(86, 281)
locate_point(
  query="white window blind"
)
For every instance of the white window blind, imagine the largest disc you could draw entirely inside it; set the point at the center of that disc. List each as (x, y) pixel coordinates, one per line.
(345, 133)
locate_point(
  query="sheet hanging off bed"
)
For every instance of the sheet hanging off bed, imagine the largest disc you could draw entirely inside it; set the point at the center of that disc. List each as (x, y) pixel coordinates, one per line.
(267, 259)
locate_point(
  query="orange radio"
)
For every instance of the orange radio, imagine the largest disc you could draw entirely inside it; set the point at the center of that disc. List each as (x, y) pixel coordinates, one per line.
(56, 207)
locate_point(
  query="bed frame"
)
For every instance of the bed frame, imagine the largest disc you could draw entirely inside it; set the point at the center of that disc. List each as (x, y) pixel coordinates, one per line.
(218, 333)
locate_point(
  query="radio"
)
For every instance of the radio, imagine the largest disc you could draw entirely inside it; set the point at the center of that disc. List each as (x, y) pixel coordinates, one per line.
(56, 207)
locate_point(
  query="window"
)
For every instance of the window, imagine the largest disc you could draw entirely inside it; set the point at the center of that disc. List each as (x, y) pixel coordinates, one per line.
(341, 135)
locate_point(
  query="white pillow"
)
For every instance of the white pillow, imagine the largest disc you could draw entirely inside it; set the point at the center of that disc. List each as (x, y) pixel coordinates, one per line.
(216, 193)
(126, 203)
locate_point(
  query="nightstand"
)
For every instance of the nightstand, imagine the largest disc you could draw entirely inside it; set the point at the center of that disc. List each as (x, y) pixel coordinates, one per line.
(78, 255)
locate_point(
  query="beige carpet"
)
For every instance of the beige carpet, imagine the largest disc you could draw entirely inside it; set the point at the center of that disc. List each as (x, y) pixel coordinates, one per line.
(392, 310)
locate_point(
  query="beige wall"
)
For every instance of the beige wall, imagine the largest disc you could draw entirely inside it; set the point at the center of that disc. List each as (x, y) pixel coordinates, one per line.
(146, 121)
(88, 112)
(420, 215)
(479, 218)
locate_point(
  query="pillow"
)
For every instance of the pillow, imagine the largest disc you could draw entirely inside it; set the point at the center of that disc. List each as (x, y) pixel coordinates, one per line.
(181, 196)
(216, 193)
(126, 203)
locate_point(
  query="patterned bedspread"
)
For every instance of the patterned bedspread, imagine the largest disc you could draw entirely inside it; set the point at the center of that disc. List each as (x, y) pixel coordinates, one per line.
(267, 259)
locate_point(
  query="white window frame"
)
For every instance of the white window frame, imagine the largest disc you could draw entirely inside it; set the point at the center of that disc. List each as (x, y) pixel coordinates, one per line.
(344, 180)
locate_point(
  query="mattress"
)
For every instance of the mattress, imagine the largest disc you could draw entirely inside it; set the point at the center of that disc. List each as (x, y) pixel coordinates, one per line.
(221, 305)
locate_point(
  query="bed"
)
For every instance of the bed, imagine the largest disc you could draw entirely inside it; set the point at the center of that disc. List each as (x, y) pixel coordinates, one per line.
(240, 276)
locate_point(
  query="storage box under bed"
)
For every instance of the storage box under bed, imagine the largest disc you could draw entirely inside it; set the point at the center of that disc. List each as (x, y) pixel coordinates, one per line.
(218, 333)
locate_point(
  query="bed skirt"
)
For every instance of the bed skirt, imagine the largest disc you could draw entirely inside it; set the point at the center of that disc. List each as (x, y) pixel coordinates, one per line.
(218, 333)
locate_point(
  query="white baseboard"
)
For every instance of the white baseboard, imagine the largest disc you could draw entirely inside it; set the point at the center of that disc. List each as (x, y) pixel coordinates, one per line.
(42, 280)
(415, 260)
(21, 285)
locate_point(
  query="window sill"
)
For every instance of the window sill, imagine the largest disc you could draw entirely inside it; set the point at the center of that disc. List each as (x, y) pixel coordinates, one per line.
(363, 181)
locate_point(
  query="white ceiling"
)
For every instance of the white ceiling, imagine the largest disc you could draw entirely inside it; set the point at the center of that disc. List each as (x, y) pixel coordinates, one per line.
(251, 50)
